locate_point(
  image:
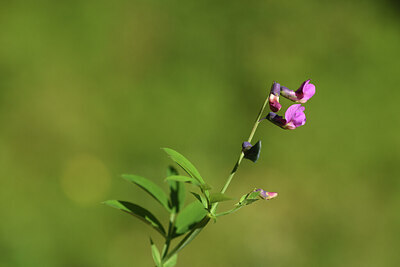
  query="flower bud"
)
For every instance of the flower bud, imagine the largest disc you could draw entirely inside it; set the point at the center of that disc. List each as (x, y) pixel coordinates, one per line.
(266, 195)
(273, 100)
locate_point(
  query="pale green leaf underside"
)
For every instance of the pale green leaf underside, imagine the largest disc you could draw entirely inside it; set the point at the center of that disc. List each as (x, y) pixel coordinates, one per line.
(218, 197)
(155, 253)
(171, 262)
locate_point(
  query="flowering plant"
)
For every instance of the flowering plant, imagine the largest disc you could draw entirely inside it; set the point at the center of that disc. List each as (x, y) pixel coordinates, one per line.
(189, 220)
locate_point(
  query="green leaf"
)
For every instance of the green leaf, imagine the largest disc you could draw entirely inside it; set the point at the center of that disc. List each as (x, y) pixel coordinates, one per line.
(139, 212)
(171, 262)
(218, 197)
(177, 190)
(200, 198)
(185, 164)
(155, 253)
(172, 171)
(205, 187)
(189, 217)
(154, 190)
(249, 198)
(183, 179)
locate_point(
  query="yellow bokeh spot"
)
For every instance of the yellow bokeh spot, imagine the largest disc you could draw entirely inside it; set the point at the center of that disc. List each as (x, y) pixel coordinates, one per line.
(85, 180)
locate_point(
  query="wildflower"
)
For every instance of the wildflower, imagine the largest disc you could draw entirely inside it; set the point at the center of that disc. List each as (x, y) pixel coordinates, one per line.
(266, 195)
(273, 100)
(294, 117)
(301, 95)
(251, 152)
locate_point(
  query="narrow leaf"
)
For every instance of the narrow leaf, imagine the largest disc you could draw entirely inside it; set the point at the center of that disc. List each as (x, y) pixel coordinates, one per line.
(189, 217)
(205, 187)
(155, 253)
(177, 190)
(185, 164)
(183, 179)
(172, 171)
(249, 198)
(200, 198)
(218, 197)
(139, 212)
(154, 190)
(171, 262)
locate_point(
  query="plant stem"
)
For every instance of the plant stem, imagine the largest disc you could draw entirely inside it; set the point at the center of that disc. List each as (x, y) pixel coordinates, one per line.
(169, 236)
(188, 238)
(192, 234)
(241, 156)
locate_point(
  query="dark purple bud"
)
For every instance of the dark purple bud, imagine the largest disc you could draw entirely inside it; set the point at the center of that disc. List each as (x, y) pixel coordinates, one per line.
(276, 119)
(246, 146)
(251, 152)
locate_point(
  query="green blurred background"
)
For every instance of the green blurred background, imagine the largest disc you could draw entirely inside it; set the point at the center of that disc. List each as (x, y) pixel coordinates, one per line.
(92, 89)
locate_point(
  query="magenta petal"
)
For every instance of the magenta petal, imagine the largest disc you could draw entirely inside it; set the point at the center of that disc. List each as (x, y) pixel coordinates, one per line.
(305, 92)
(309, 91)
(290, 112)
(295, 116)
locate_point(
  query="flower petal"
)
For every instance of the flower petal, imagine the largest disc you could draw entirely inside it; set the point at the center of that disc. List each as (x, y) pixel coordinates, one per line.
(290, 112)
(305, 92)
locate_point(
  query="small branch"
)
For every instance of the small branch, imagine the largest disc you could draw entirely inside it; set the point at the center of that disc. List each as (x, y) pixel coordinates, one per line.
(241, 156)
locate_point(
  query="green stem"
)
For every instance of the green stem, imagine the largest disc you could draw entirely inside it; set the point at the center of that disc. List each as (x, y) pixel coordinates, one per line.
(241, 156)
(188, 238)
(229, 211)
(192, 234)
(169, 236)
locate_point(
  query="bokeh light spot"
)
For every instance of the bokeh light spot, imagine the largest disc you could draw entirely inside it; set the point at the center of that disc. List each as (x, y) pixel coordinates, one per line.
(85, 180)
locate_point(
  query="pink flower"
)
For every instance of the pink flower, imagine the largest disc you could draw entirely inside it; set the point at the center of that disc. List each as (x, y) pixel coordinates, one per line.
(266, 195)
(301, 95)
(305, 92)
(294, 117)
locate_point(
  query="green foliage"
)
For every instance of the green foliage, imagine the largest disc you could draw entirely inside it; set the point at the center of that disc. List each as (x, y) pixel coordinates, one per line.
(218, 197)
(184, 164)
(156, 254)
(154, 190)
(139, 212)
(249, 198)
(201, 198)
(171, 262)
(183, 179)
(189, 217)
(177, 190)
